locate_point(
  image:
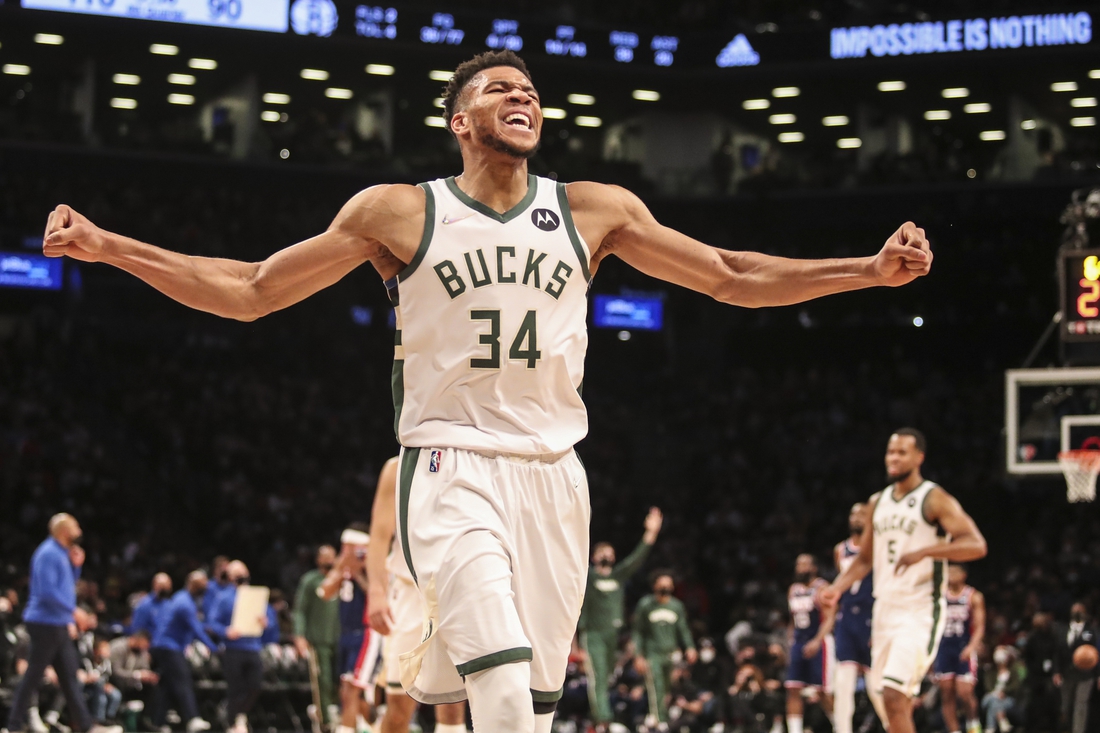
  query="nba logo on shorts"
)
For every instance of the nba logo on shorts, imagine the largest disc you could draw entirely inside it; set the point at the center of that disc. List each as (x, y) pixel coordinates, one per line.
(433, 464)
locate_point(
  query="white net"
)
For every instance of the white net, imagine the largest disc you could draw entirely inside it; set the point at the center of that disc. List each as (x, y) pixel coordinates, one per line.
(1080, 468)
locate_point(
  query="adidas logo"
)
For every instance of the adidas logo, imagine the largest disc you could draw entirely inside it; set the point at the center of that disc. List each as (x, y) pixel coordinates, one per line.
(738, 52)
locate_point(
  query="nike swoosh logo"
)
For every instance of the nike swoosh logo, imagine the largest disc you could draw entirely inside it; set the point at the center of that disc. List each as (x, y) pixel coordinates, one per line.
(447, 220)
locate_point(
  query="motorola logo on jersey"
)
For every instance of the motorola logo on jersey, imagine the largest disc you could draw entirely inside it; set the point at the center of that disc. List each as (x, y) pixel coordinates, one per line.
(912, 501)
(545, 219)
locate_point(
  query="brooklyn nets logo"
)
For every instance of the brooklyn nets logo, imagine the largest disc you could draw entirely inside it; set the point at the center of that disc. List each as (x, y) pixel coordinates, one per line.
(545, 219)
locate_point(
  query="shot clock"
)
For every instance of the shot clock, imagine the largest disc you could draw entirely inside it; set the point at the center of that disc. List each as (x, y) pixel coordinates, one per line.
(1079, 276)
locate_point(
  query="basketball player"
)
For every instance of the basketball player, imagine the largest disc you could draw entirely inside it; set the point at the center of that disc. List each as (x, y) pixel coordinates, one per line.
(956, 666)
(808, 665)
(905, 544)
(852, 627)
(396, 611)
(489, 272)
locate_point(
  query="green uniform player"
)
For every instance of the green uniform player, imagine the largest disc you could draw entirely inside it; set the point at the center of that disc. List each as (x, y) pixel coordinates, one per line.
(317, 627)
(661, 630)
(603, 611)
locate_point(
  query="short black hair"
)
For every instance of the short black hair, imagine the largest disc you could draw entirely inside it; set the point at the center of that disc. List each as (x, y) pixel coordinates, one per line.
(142, 634)
(660, 573)
(916, 435)
(467, 70)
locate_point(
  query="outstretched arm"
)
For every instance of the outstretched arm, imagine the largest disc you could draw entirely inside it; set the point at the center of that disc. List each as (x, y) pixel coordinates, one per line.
(967, 542)
(383, 525)
(377, 225)
(621, 225)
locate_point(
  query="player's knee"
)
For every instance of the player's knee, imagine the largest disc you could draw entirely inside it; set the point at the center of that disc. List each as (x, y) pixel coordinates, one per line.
(500, 698)
(895, 701)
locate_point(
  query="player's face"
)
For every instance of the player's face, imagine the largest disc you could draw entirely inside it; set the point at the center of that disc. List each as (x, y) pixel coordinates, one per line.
(502, 112)
(855, 519)
(956, 577)
(902, 457)
(804, 568)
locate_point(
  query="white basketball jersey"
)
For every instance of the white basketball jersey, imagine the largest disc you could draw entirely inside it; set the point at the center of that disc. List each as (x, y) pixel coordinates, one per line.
(395, 563)
(491, 325)
(900, 527)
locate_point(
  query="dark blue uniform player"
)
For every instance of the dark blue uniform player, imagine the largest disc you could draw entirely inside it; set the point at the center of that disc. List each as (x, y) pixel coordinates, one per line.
(852, 630)
(809, 656)
(957, 660)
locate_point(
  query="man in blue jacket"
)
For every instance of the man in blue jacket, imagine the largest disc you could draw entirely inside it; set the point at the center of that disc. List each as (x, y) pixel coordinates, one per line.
(177, 626)
(50, 620)
(241, 659)
(149, 608)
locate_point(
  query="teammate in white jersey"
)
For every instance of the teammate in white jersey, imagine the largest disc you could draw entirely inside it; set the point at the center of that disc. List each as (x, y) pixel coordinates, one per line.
(490, 270)
(397, 612)
(915, 528)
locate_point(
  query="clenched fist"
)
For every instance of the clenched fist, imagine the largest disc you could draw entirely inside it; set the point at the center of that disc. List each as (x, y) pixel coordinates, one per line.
(905, 256)
(69, 234)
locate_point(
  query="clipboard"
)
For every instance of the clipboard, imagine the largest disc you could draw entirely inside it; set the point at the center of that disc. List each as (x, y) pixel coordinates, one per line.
(248, 608)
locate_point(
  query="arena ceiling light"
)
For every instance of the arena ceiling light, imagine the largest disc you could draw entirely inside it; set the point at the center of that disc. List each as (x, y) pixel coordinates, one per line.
(130, 80)
(977, 108)
(1094, 74)
(49, 39)
(203, 64)
(991, 135)
(1082, 102)
(791, 137)
(849, 143)
(584, 100)
(1027, 124)
(438, 102)
(276, 98)
(181, 80)
(955, 93)
(1064, 86)
(782, 119)
(782, 92)
(380, 70)
(183, 99)
(124, 103)
(835, 120)
(583, 121)
(646, 95)
(554, 113)
(270, 115)
(16, 69)
(891, 86)
(314, 74)
(164, 49)
(439, 75)
(435, 121)
(936, 115)
(338, 93)
(1083, 122)
(756, 104)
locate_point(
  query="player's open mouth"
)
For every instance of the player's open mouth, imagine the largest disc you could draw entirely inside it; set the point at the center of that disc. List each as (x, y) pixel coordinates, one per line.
(518, 119)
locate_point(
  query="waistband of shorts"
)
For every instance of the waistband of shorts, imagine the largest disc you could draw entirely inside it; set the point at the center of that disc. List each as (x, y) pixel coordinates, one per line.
(547, 458)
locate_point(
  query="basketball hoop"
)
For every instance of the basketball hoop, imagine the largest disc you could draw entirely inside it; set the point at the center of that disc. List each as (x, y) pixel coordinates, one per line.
(1080, 468)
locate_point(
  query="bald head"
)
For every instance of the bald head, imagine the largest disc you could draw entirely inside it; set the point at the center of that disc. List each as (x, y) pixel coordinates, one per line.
(65, 529)
(162, 584)
(236, 571)
(196, 583)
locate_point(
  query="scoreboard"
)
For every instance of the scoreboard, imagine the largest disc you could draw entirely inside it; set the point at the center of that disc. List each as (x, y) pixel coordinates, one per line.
(1079, 278)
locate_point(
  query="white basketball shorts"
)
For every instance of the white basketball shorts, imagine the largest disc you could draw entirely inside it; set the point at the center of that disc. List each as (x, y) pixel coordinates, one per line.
(408, 615)
(498, 545)
(904, 641)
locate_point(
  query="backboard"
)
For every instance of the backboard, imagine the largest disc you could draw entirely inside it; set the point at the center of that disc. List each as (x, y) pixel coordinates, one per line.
(1047, 411)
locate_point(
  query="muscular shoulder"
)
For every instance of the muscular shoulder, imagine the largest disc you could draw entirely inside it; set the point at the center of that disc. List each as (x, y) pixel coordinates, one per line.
(602, 211)
(390, 216)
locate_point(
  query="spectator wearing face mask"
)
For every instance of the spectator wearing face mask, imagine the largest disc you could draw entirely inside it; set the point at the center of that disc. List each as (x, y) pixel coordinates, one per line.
(50, 618)
(146, 611)
(131, 666)
(241, 659)
(177, 627)
(660, 633)
(711, 674)
(317, 627)
(1077, 685)
(218, 582)
(103, 697)
(603, 611)
(1004, 684)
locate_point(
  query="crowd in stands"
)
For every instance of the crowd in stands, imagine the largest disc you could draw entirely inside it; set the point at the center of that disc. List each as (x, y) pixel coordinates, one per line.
(173, 435)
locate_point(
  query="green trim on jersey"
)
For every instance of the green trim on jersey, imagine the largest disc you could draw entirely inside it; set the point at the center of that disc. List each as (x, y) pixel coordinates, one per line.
(507, 216)
(937, 591)
(397, 385)
(895, 680)
(571, 228)
(519, 654)
(540, 696)
(426, 239)
(409, 458)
